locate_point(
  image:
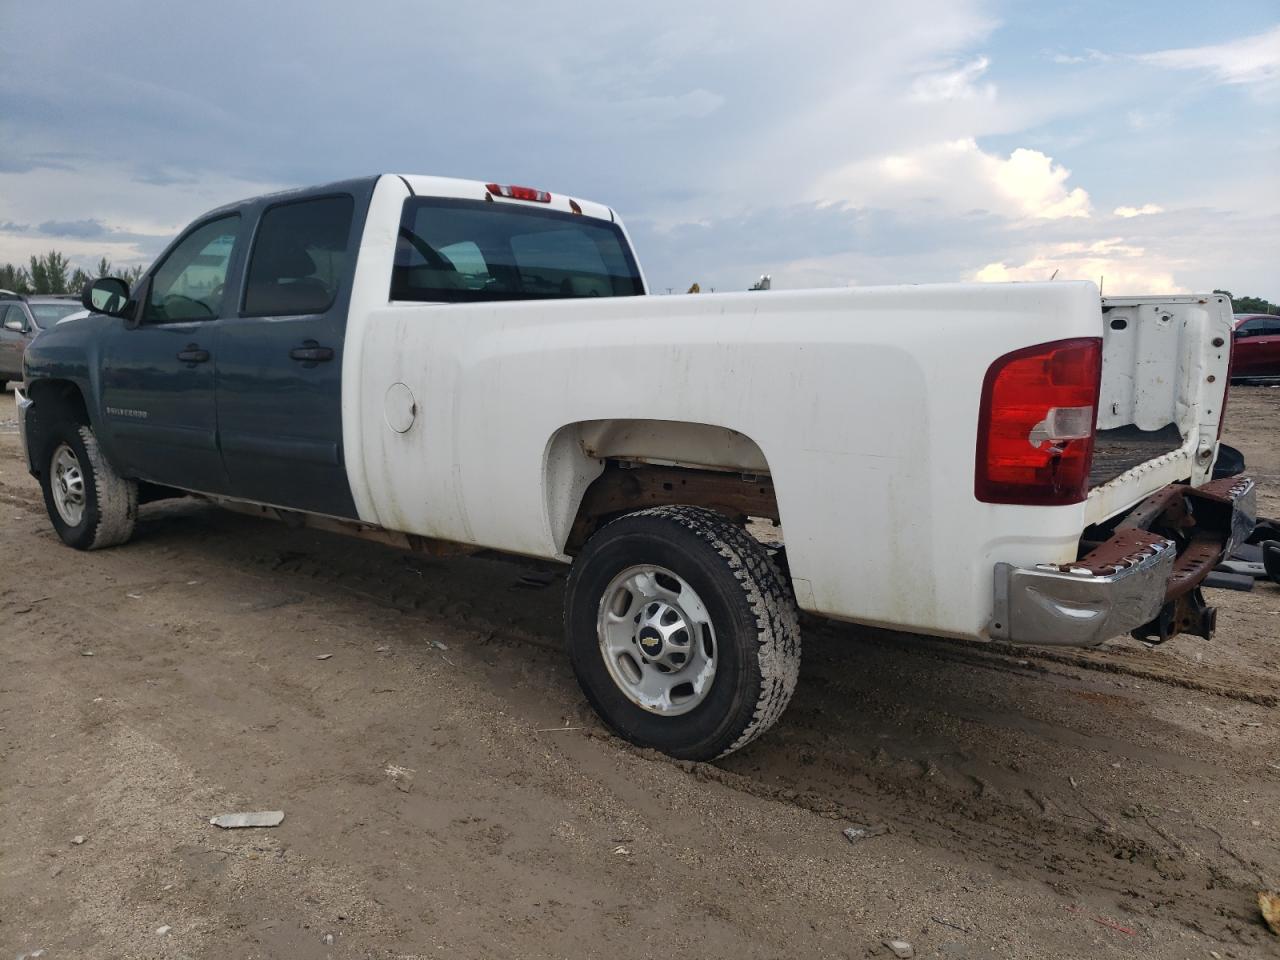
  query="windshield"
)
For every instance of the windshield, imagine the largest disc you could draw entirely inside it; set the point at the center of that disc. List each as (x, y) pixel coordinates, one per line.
(462, 251)
(47, 314)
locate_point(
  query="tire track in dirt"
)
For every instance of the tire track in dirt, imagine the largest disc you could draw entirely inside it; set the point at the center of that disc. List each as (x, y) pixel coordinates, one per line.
(1217, 681)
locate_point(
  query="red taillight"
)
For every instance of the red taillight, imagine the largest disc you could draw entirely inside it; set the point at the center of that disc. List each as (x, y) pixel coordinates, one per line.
(1036, 423)
(518, 193)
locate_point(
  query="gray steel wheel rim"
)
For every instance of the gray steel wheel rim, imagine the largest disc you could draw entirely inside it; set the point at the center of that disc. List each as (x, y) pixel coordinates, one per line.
(67, 484)
(657, 640)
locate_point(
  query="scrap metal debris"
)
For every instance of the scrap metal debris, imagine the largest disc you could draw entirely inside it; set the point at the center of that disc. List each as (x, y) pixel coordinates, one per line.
(901, 949)
(261, 818)
(78, 839)
(324, 656)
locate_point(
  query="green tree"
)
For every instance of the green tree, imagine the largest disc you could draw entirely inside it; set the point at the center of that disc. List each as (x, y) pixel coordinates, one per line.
(50, 273)
(53, 273)
(14, 279)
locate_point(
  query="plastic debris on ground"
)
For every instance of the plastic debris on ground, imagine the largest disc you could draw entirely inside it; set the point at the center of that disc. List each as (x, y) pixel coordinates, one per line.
(260, 818)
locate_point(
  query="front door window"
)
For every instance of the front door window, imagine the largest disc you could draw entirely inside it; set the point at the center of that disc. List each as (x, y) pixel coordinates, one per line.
(189, 284)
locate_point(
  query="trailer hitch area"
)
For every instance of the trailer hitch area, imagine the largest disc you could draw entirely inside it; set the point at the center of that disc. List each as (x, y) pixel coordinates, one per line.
(1188, 614)
(1143, 579)
(1207, 523)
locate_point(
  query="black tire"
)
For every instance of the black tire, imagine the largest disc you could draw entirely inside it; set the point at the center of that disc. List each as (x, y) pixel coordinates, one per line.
(110, 502)
(757, 630)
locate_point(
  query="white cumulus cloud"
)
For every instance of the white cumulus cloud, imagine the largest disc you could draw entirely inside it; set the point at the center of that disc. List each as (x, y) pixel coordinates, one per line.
(959, 176)
(1146, 210)
(1112, 263)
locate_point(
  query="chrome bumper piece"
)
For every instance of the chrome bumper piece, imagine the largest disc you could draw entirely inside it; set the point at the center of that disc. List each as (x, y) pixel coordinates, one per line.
(1044, 605)
(1084, 604)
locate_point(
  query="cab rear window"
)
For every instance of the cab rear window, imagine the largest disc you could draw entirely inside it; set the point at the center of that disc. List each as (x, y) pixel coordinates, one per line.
(466, 251)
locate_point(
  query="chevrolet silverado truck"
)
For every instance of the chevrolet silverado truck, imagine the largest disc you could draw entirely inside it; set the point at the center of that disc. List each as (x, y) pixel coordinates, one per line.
(431, 361)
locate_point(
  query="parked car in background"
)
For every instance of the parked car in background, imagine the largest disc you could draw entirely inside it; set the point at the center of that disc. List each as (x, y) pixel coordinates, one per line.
(1256, 350)
(21, 318)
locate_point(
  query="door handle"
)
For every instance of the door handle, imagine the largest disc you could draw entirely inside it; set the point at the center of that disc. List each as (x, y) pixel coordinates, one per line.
(311, 353)
(193, 354)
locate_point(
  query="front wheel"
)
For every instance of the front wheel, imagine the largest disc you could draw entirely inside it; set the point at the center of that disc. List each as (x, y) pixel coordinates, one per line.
(682, 632)
(90, 505)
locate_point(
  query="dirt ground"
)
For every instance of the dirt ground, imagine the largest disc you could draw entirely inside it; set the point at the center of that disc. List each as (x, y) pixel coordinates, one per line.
(447, 792)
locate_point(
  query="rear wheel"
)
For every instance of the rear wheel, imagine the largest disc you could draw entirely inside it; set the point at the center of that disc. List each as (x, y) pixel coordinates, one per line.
(682, 632)
(89, 504)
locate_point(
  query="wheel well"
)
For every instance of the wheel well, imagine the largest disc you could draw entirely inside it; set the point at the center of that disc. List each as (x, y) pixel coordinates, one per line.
(623, 488)
(59, 397)
(596, 470)
(53, 401)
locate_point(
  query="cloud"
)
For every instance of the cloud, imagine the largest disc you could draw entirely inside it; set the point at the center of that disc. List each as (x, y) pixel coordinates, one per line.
(1113, 263)
(836, 144)
(1146, 210)
(1252, 61)
(133, 219)
(81, 229)
(954, 84)
(1089, 56)
(694, 105)
(958, 176)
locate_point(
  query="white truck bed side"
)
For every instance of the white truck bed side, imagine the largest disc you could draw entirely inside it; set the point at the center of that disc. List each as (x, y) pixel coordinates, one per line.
(863, 402)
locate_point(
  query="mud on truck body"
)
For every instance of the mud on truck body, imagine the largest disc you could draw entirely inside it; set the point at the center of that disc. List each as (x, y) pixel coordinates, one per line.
(429, 361)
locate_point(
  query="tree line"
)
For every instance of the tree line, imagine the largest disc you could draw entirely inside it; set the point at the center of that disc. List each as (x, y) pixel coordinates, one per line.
(53, 273)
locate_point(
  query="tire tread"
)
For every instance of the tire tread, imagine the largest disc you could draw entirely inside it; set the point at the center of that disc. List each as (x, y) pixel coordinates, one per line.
(769, 597)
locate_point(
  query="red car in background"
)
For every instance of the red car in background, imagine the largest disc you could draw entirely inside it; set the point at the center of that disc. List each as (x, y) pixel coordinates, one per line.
(1255, 352)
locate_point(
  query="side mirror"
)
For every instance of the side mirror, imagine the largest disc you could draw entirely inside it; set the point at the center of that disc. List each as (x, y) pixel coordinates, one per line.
(17, 326)
(107, 295)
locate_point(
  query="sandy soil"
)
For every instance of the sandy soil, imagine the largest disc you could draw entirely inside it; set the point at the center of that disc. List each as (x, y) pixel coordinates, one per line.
(448, 793)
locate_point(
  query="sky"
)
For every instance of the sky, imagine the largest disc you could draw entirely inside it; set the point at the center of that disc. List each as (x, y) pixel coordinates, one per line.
(824, 143)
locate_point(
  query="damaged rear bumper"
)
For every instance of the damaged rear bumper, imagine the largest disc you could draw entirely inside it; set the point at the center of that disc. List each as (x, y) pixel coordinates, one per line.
(1136, 580)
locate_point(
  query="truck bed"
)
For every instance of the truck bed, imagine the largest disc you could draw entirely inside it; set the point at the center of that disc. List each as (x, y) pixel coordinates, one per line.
(1120, 449)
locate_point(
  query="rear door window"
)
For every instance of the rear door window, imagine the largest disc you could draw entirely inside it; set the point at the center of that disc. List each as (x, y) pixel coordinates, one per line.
(300, 257)
(459, 251)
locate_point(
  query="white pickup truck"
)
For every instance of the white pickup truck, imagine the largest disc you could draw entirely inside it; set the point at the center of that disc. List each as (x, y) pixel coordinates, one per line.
(426, 360)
